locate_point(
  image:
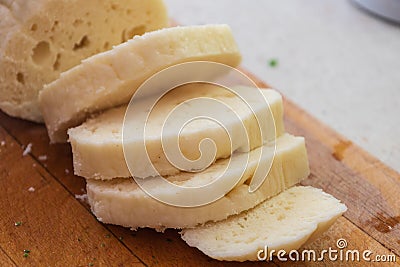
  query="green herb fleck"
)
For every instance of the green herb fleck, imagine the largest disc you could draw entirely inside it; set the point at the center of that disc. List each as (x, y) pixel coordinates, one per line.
(121, 238)
(273, 63)
(102, 245)
(107, 236)
(26, 253)
(18, 223)
(91, 264)
(79, 239)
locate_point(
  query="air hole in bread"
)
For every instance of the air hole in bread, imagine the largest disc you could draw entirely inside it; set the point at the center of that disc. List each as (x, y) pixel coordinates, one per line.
(41, 53)
(106, 45)
(129, 11)
(130, 33)
(281, 217)
(84, 42)
(55, 24)
(20, 78)
(172, 48)
(56, 65)
(77, 22)
(34, 27)
(114, 6)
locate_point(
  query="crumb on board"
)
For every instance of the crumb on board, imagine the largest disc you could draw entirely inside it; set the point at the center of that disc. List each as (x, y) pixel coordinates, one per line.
(27, 150)
(26, 253)
(82, 197)
(31, 189)
(42, 157)
(3, 143)
(66, 171)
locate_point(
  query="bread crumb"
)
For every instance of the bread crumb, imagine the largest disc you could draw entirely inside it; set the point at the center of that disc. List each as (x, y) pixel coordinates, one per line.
(66, 171)
(31, 189)
(83, 197)
(3, 143)
(27, 150)
(42, 157)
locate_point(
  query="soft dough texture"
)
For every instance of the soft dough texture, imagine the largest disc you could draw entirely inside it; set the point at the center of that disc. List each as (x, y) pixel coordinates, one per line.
(39, 39)
(111, 78)
(97, 144)
(286, 222)
(122, 202)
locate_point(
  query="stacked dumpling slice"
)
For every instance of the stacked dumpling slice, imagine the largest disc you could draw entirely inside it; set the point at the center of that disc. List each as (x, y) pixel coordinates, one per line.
(236, 225)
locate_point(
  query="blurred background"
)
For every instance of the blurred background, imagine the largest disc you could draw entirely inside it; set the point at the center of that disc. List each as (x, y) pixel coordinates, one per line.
(331, 58)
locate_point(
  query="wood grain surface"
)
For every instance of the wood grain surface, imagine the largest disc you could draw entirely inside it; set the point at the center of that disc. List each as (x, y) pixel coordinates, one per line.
(59, 230)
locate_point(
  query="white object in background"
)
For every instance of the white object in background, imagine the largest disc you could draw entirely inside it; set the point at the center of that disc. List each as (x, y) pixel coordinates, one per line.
(389, 9)
(335, 61)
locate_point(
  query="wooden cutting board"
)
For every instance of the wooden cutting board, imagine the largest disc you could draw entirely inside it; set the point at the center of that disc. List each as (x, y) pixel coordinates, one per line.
(59, 229)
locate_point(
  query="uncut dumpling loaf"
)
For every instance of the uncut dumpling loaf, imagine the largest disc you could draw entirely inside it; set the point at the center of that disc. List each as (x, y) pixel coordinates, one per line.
(39, 39)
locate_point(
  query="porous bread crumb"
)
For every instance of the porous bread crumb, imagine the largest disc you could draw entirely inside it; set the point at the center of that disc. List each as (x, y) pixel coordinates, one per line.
(27, 150)
(31, 189)
(3, 143)
(83, 197)
(42, 157)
